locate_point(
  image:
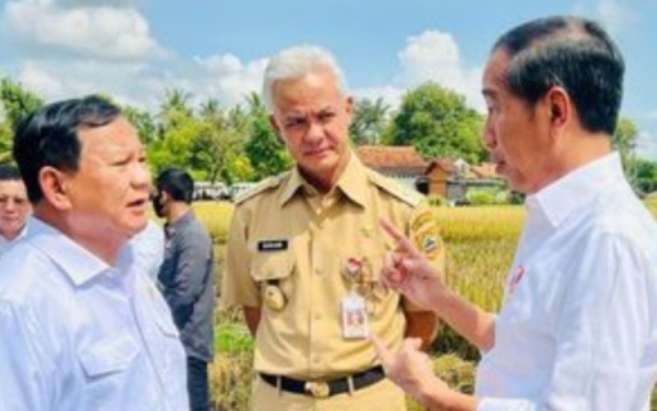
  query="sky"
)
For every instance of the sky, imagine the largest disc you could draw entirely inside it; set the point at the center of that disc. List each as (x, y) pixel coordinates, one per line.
(136, 50)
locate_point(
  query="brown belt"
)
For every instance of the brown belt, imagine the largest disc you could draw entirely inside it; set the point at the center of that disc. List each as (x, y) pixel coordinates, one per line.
(325, 389)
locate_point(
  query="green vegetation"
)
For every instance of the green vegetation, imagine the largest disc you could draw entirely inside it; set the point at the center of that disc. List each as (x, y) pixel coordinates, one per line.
(439, 124)
(237, 144)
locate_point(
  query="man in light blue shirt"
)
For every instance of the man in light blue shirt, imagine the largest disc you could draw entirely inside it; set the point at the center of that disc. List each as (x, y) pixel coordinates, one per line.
(148, 248)
(81, 324)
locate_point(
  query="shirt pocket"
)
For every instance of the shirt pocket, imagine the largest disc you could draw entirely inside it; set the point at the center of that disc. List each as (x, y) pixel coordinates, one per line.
(108, 356)
(112, 373)
(274, 269)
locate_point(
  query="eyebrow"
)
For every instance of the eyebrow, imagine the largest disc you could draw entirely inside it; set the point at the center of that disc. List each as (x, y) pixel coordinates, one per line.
(489, 92)
(294, 112)
(327, 109)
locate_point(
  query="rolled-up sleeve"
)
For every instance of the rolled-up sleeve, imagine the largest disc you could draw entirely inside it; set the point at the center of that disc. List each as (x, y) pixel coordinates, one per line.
(24, 369)
(601, 334)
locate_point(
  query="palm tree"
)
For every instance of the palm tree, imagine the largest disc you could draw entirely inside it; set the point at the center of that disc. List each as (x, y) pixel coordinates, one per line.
(369, 121)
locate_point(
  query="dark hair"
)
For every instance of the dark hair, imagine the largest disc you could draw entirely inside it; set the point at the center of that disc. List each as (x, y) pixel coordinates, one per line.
(9, 173)
(178, 183)
(572, 53)
(49, 137)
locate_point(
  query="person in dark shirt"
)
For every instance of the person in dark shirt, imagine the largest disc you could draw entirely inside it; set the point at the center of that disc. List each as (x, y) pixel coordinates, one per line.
(186, 278)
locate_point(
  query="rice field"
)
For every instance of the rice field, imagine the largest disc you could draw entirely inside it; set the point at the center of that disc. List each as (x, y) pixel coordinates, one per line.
(480, 244)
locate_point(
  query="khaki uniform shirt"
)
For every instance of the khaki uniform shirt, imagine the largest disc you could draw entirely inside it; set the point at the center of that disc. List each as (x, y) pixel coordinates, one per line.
(287, 235)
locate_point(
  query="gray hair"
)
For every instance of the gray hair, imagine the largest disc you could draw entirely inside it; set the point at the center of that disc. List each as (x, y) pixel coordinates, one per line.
(295, 62)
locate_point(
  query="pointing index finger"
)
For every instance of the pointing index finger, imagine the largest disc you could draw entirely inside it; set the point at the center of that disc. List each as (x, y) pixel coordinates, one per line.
(401, 240)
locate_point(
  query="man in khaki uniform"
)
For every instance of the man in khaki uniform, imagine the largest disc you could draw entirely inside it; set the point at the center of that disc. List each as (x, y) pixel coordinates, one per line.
(305, 253)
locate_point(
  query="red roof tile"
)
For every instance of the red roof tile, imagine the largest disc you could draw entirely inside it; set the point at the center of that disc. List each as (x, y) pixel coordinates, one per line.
(444, 163)
(391, 157)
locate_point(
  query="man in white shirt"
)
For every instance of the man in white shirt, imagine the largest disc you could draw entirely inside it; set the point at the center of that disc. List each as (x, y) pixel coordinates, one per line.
(148, 248)
(81, 324)
(14, 207)
(578, 327)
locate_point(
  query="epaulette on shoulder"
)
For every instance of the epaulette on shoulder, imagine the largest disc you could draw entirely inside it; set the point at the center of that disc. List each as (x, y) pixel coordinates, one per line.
(264, 185)
(407, 195)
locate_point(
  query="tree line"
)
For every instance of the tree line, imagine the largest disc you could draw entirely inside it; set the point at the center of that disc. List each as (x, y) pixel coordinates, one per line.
(231, 144)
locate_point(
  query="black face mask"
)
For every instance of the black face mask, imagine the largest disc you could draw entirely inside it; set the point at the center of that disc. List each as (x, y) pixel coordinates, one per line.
(156, 199)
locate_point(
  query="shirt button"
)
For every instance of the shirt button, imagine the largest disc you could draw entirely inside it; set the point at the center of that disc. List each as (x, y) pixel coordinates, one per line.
(318, 271)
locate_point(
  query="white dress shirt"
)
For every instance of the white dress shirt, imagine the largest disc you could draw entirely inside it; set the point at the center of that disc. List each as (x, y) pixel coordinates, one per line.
(6, 244)
(578, 328)
(79, 335)
(148, 248)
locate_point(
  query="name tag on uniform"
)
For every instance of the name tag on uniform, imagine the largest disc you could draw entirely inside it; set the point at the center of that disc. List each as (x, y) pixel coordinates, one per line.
(272, 245)
(354, 317)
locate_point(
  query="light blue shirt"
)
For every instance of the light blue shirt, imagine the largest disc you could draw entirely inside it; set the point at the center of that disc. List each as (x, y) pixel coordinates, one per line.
(578, 329)
(148, 248)
(78, 335)
(7, 244)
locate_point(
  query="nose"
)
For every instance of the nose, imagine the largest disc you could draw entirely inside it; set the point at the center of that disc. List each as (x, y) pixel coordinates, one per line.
(490, 137)
(10, 205)
(141, 176)
(315, 133)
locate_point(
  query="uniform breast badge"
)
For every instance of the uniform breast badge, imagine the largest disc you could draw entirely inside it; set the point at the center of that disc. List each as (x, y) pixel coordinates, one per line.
(273, 296)
(426, 234)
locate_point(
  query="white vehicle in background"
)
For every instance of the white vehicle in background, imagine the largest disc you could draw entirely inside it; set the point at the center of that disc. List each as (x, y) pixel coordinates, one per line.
(238, 188)
(205, 190)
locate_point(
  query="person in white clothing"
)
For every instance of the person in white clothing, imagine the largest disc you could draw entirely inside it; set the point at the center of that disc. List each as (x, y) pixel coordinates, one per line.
(15, 208)
(148, 248)
(578, 326)
(81, 324)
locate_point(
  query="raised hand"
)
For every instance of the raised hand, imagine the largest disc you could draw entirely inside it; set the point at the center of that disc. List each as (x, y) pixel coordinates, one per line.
(408, 271)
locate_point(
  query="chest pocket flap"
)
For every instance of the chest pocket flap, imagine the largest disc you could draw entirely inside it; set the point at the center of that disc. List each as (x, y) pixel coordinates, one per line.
(109, 355)
(270, 266)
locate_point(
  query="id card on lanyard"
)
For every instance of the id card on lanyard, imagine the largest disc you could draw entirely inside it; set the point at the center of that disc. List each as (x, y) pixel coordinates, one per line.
(354, 317)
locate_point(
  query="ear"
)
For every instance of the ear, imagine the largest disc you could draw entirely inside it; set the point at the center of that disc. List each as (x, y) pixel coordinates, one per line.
(560, 110)
(55, 187)
(349, 107)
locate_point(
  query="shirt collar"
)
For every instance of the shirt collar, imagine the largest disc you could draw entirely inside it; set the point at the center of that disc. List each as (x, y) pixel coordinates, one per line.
(77, 262)
(576, 189)
(352, 182)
